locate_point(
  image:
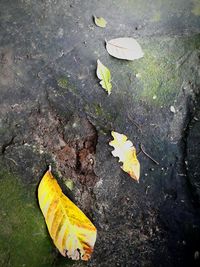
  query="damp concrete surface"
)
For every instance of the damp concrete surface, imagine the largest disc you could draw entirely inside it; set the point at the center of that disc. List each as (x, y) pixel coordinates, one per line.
(54, 111)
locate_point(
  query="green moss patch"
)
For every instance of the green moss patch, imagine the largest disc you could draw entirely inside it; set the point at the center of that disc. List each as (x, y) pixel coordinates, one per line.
(23, 236)
(164, 67)
(196, 7)
(62, 82)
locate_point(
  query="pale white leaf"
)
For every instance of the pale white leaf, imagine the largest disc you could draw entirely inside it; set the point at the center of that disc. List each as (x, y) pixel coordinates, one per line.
(124, 48)
(172, 109)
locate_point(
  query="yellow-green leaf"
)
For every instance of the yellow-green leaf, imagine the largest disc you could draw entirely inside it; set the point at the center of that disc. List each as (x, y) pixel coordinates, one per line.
(100, 22)
(103, 73)
(72, 232)
(126, 152)
(69, 183)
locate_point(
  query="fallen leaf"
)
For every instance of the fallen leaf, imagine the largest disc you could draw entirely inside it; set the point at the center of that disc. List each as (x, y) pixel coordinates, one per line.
(126, 152)
(172, 109)
(103, 73)
(72, 232)
(124, 48)
(100, 22)
(69, 184)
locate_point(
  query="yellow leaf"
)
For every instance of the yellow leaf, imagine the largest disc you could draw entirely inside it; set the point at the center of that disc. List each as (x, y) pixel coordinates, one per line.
(100, 21)
(126, 152)
(103, 73)
(72, 232)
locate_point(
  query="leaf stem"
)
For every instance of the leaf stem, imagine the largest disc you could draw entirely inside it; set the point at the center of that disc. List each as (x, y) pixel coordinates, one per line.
(146, 154)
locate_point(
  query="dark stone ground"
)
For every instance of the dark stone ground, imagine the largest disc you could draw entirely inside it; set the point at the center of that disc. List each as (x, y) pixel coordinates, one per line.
(54, 111)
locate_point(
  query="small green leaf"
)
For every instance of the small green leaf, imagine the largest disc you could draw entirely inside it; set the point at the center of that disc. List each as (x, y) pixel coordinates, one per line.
(100, 22)
(103, 73)
(69, 183)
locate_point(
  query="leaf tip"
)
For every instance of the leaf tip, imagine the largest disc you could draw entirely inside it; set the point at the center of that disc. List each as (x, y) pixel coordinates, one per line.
(49, 168)
(113, 134)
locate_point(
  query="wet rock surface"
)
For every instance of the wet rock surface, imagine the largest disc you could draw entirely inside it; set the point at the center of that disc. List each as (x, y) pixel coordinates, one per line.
(53, 111)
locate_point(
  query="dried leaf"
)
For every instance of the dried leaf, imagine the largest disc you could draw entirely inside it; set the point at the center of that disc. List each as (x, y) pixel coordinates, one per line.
(124, 48)
(126, 152)
(100, 22)
(103, 73)
(72, 232)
